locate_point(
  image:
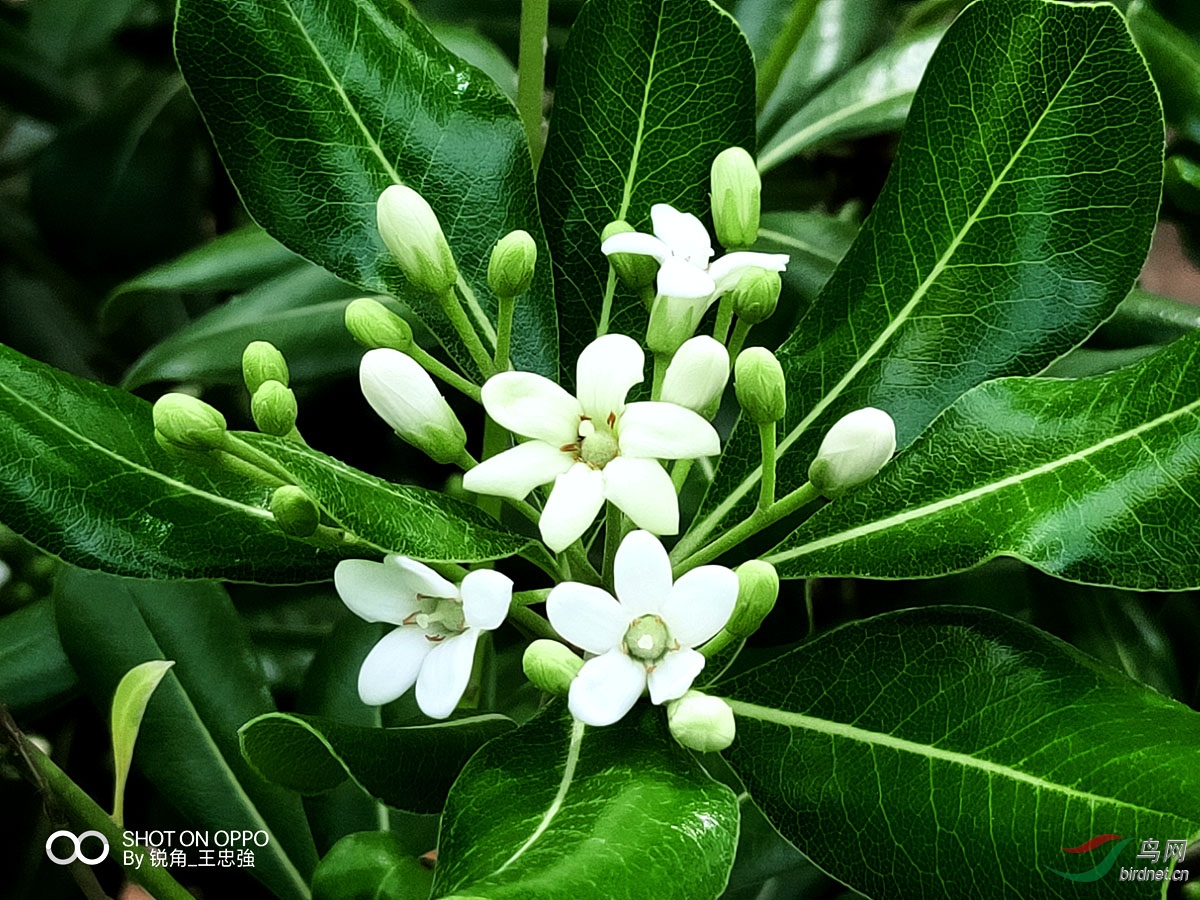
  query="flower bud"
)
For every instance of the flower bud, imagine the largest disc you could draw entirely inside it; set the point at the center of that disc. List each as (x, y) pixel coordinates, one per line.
(189, 423)
(756, 295)
(294, 511)
(697, 375)
(412, 233)
(854, 450)
(672, 321)
(551, 666)
(262, 362)
(758, 589)
(374, 325)
(636, 270)
(510, 269)
(760, 386)
(736, 193)
(274, 409)
(700, 722)
(405, 397)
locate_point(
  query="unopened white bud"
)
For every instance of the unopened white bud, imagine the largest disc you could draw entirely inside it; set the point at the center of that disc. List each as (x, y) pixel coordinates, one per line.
(405, 397)
(700, 722)
(854, 450)
(412, 233)
(697, 375)
(736, 197)
(672, 321)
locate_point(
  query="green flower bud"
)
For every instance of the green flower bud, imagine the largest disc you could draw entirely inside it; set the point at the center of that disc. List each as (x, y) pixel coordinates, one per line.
(672, 321)
(510, 268)
(274, 409)
(700, 722)
(854, 450)
(411, 231)
(636, 270)
(760, 386)
(262, 362)
(758, 589)
(374, 325)
(189, 423)
(756, 295)
(736, 196)
(551, 666)
(294, 511)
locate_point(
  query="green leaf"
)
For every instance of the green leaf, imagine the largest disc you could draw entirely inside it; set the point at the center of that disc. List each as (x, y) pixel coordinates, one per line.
(951, 752)
(556, 809)
(480, 51)
(371, 865)
(69, 31)
(1094, 480)
(1145, 318)
(302, 312)
(408, 768)
(128, 708)
(872, 97)
(1014, 220)
(393, 518)
(649, 93)
(317, 107)
(1174, 59)
(815, 242)
(189, 744)
(34, 672)
(82, 476)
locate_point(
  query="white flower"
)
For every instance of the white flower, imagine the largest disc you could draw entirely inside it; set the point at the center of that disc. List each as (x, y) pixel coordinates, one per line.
(682, 246)
(439, 625)
(593, 447)
(644, 638)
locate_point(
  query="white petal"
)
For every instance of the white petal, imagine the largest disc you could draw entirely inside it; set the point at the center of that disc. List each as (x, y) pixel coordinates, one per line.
(726, 271)
(574, 501)
(674, 674)
(445, 673)
(680, 279)
(418, 578)
(391, 667)
(373, 591)
(608, 367)
(697, 374)
(666, 431)
(588, 617)
(486, 595)
(533, 407)
(641, 574)
(700, 603)
(683, 233)
(606, 688)
(636, 242)
(642, 489)
(516, 472)
(402, 393)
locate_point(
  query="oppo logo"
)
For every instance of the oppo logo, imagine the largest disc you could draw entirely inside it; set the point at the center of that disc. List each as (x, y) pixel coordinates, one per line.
(77, 853)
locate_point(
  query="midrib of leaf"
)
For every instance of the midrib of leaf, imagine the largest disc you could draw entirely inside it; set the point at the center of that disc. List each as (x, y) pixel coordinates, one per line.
(983, 490)
(950, 757)
(786, 240)
(152, 473)
(718, 514)
(337, 86)
(564, 785)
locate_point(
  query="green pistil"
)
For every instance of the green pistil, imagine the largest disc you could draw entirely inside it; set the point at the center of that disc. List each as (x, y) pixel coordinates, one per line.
(647, 639)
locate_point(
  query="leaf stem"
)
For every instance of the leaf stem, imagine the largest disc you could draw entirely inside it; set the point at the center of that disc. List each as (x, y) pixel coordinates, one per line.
(504, 328)
(531, 72)
(679, 473)
(531, 623)
(529, 598)
(781, 51)
(470, 338)
(724, 317)
(661, 361)
(614, 523)
(766, 494)
(445, 373)
(581, 567)
(740, 330)
(540, 557)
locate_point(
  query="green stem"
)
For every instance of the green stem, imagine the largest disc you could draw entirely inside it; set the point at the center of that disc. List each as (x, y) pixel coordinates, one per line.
(766, 494)
(504, 333)
(445, 373)
(531, 623)
(529, 598)
(724, 317)
(581, 568)
(468, 295)
(495, 440)
(740, 330)
(610, 289)
(246, 470)
(661, 361)
(613, 525)
(531, 71)
(470, 338)
(781, 51)
(679, 473)
(809, 585)
(238, 448)
(719, 642)
(540, 557)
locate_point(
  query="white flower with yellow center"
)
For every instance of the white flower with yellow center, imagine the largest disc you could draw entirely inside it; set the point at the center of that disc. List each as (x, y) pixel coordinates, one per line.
(644, 637)
(593, 446)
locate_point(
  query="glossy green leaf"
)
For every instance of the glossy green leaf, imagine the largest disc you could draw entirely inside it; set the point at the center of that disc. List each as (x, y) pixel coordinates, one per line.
(392, 518)
(133, 692)
(371, 865)
(815, 242)
(34, 672)
(557, 809)
(1174, 58)
(1093, 480)
(188, 746)
(650, 91)
(301, 312)
(232, 262)
(82, 476)
(479, 51)
(317, 107)
(952, 752)
(408, 768)
(871, 98)
(1013, 222)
